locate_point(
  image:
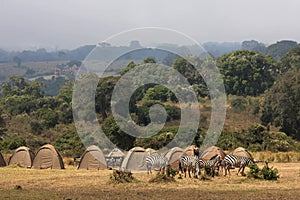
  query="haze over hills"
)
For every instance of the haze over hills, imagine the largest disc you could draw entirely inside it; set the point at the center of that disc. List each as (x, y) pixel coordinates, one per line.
(107, 52)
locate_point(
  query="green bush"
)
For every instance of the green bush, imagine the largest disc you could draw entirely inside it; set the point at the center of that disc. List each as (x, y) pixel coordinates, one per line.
(12, 143)
(171, 172)
(255, 172)
(269, 173)
(265, 173)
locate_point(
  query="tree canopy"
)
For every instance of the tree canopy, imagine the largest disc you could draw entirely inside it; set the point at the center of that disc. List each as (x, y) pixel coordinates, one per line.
(282, 104)
(247, 72)
(291, 60)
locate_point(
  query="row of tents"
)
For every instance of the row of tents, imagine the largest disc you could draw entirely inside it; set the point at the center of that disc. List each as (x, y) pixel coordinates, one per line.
(46, 157)
(93, 158)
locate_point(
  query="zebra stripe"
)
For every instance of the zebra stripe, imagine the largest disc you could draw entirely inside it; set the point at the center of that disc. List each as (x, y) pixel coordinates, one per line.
(231, 161)
(209, 164)
(187, 163)
(157, 161)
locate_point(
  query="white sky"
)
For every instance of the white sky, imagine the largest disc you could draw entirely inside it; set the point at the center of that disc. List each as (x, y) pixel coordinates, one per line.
(32, 24)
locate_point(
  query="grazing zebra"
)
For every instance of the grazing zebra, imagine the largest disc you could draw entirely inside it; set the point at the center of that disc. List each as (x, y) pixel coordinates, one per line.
(188, 163)
(156, 160)
(209, 164)
(231, 161)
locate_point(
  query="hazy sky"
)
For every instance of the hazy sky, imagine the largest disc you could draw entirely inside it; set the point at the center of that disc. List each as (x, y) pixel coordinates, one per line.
(31, 24)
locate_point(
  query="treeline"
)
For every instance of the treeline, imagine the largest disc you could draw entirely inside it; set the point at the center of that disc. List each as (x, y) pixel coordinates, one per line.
(108, 52)
(29, 117)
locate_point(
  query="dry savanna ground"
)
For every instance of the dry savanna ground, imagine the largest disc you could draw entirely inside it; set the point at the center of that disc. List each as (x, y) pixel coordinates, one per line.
(82, 184)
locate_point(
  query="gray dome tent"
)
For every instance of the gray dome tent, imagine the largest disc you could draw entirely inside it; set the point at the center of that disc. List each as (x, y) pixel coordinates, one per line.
(2, 161)
(115, 158)
(47, 157)
(240, 151)
(189, 151)
(173, 156)
(211, 152)
(92, 158)
(135, 160)
(22, 156)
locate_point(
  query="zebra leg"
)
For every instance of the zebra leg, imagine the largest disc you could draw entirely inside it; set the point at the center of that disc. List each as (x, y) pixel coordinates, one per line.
(197, 173)
(239, 170)
(189, 171)
(213, 171)
(162, 169)
(180, 167)
(227, 169)
(243, 170)
(149, 169)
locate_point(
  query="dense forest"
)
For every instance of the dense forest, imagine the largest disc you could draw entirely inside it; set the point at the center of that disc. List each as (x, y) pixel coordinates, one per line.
(262, 86)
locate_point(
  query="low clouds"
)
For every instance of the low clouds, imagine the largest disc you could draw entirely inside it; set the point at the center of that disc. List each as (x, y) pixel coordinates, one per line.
(30, 24)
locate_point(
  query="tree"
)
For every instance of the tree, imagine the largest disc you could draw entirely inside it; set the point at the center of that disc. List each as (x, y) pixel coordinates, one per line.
(69, 142)
(148, 60)
(2, 126)
(158, 92)
(19, 86)
(103, 95)
(282, 104)
(116, 135)
(291, 60)
(188, 71)
(130, 66)
(247, 72)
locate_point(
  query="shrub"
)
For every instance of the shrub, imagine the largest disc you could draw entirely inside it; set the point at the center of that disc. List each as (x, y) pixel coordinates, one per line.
(255, 172)
(171, 172)
(167, 177)
(265, 173)
(119, 176)
(269, 173)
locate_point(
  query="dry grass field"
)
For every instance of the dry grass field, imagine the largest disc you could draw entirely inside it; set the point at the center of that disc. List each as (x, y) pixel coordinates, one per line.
(82, 184)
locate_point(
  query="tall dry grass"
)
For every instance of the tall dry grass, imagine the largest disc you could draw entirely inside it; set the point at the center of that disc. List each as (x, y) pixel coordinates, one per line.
(279, 157)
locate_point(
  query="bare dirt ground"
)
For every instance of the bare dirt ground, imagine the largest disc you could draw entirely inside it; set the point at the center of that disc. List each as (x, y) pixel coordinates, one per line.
(82, 184)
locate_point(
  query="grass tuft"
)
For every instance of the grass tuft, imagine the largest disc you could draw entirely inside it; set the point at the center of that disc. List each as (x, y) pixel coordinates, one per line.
(119, 176)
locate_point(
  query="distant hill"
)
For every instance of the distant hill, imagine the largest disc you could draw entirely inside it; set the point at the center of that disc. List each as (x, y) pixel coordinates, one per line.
(218, 49)
(106, 52)
(279, 49)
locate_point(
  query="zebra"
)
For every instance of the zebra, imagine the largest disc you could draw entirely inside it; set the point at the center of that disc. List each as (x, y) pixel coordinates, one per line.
(156, 160)
(210, 164)
(188, 163)
(232, 161)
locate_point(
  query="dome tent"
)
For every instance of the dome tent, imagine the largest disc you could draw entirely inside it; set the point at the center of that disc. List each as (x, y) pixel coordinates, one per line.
(191, 150)
(115, 158)
(150, 151)
(116, 153)
(47, 157)
(2, 161)
(135, 160)
(211, 152)
(22, 156)
(240, 151)
(92, 158)
(173, 156)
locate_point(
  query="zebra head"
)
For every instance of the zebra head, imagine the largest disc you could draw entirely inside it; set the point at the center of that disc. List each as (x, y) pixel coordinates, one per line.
(197, 152)
(251, 162)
